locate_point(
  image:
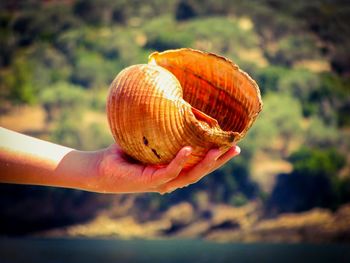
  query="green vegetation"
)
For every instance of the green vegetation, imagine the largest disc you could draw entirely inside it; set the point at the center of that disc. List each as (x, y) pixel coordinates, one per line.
(312, 183)
(62, 56)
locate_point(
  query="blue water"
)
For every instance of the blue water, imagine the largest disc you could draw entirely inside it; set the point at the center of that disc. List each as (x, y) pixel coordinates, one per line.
(177, 251)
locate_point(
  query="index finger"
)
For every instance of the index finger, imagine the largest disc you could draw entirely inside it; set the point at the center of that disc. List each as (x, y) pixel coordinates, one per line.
(211, 161)
(173, 169)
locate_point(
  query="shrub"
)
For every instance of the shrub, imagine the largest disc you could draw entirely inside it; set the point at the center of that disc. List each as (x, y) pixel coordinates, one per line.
(312, 183)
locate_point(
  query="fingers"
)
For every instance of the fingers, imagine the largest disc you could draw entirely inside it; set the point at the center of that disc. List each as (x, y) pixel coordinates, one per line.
(224, 158)
(173, 169)
(213, 160)
(195, 174)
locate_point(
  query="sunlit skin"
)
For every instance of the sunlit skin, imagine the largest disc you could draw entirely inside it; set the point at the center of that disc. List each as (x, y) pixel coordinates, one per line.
(27, 160)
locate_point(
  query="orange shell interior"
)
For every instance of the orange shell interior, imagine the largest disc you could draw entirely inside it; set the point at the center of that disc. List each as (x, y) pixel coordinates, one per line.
(214, 85)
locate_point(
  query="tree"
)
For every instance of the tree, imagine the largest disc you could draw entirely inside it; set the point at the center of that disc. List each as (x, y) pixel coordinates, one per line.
(18, 82)
(184, 11)
(62, 96)
(312, 183)
(280, 120)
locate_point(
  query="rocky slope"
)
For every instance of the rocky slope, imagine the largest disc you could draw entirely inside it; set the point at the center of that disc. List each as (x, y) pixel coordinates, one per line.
(222, 223)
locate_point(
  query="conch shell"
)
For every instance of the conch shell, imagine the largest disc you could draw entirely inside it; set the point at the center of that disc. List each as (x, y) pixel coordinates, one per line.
(182, 97)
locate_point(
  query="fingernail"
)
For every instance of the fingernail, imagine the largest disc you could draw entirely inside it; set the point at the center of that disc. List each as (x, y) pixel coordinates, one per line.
(218, 155)
(188, 151)
(238, 150)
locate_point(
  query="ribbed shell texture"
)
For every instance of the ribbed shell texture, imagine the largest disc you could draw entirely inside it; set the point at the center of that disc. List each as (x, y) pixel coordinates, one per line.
(181, 98)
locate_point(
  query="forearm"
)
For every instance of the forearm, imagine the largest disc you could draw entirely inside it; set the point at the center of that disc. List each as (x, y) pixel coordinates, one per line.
(27, 160)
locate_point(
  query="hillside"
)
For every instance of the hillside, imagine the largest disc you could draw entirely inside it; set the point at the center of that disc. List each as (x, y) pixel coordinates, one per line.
(59, 57)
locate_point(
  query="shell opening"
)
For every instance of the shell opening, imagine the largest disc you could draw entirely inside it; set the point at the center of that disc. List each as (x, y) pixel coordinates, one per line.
(201, 116)
(217, 109)
(215, 87)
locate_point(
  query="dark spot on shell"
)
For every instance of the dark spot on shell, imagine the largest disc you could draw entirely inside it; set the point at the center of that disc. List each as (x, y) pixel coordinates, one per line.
(155, 153)
(145, 141)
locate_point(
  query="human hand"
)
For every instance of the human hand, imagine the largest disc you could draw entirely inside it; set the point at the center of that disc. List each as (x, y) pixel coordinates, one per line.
(27, 160)
(116, 173)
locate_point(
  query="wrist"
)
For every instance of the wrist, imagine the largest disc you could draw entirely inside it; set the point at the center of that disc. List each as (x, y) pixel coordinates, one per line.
(91, 170)
(78, 169)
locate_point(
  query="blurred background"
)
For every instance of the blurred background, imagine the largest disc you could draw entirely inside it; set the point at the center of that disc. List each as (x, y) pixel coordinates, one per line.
(291, 182)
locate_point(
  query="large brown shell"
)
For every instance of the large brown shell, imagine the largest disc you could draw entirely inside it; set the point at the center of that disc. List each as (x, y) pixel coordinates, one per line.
(181, 98)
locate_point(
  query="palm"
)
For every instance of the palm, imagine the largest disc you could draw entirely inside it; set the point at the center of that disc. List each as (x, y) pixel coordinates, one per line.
(117, 171)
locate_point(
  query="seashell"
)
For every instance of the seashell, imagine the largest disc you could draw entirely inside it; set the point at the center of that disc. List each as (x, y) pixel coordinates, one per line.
(182, 97)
